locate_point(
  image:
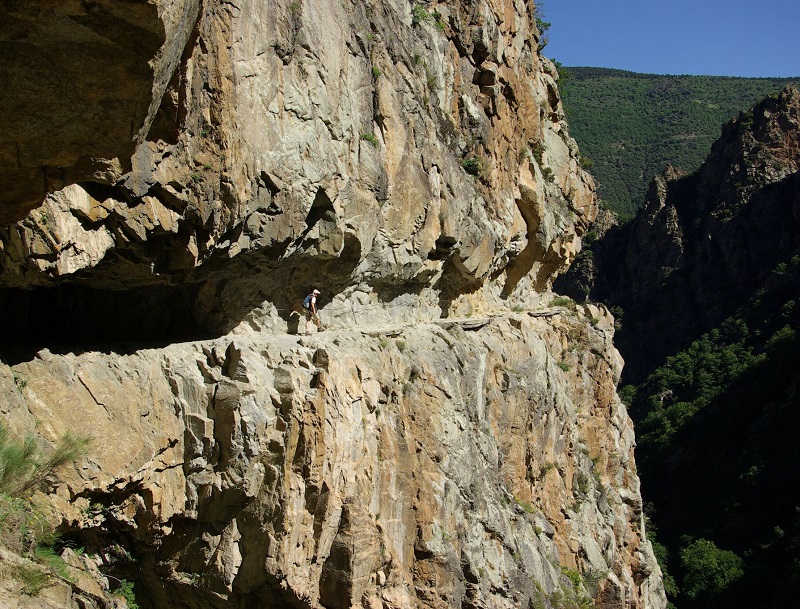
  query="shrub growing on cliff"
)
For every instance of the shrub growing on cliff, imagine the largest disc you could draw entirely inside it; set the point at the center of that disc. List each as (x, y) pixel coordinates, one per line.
(23, 467)
(369, 137)
(572, 594)
(474, 166)
(419, 14)
(125, 590)
(24, 527)
(562, 301)
(17, 459)
(542, 25)
(430, 81)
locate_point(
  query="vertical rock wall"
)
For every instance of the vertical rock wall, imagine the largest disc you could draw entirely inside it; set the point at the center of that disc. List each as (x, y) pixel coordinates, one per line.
(474, 463)
(369, 146)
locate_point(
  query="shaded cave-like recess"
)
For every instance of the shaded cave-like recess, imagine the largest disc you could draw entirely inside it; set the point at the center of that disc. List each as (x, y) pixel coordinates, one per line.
(73, 315)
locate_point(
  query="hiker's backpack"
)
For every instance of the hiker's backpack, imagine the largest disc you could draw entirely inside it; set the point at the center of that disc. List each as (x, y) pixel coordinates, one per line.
(307, 302)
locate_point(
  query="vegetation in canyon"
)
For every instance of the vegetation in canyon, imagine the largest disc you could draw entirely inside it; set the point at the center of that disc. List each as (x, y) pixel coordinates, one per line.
(705, 285)
(716, 429)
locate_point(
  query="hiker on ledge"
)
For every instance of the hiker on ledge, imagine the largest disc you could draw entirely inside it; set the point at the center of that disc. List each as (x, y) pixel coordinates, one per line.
(310, 310)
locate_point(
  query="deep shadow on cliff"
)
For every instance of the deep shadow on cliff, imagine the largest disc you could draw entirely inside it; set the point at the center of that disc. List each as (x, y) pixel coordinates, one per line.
(705, 284)
(413, 162)
(106, 62)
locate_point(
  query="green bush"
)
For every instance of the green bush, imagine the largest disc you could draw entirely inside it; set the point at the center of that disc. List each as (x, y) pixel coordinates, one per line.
(369, 137)
(662, 557)
(48, 556)
(708, 570)
(24, 468)
(561, 301)
(473, 166)
(419, 14)
(572, 594)
(430, 81)
(17, 461)
(125, 590)
(24, 528)
(33, 579)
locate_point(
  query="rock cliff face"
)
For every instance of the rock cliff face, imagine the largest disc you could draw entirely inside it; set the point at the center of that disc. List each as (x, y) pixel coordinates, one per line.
(330, 141)
(438, 446)
(446, 465)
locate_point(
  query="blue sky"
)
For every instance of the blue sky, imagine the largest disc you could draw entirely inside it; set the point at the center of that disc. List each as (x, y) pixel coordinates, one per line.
(706, 37)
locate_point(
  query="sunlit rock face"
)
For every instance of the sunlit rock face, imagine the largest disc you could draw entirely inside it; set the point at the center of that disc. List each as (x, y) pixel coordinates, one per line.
(466, 463)
(82, 86)
(452, 439)
(370, 147)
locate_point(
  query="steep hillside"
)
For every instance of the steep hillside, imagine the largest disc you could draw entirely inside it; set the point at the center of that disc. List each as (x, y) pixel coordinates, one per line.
(453, 437)
(716, 428)
(631, 126)
(705, 282)
(702, 244)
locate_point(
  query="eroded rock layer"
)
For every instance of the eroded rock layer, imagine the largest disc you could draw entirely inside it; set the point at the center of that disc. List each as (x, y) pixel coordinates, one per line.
(469, 463)
(369, 146)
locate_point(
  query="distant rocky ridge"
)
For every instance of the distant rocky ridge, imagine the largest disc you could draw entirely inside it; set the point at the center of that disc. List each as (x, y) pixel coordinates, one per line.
(453, 439)
(703, 243)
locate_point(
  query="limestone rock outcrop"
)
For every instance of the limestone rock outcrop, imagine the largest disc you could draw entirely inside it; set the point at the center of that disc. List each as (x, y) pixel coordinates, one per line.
(470, 463)
(368, 145)
(449, 441)
(25, 584)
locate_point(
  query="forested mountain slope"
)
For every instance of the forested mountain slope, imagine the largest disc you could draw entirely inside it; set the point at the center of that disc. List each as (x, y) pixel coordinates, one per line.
(705, 284)
(629, 126)
(717, 428)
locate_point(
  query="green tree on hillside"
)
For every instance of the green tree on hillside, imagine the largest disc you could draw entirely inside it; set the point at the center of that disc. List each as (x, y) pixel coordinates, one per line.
(632, 125)
(708, 570)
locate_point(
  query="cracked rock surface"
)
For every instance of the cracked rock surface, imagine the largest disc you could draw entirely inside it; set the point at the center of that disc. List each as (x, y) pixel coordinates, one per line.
(415, 466)
(450, 440)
